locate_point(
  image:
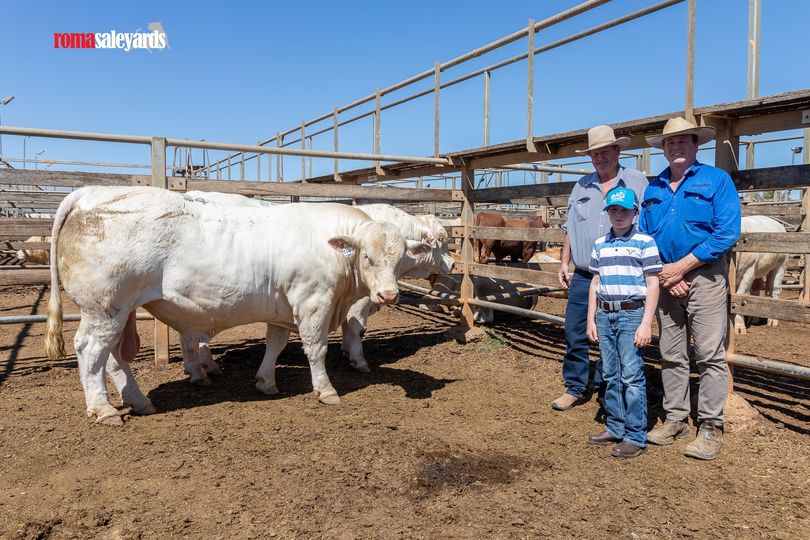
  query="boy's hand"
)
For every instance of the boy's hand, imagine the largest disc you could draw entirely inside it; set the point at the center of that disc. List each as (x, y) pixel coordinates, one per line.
(593, 335)
(643, 335)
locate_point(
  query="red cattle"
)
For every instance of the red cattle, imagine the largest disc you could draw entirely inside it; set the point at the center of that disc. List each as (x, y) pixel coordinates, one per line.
(517, 250)
(487, 219)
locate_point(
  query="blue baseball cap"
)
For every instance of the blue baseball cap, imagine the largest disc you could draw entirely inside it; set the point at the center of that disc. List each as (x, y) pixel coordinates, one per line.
(621, 196)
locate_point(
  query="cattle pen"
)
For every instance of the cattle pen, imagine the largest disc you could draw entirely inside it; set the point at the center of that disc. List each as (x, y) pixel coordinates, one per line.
(733, 121)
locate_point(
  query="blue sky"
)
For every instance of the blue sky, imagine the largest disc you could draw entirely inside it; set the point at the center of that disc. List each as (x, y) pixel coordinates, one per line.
(240, 71)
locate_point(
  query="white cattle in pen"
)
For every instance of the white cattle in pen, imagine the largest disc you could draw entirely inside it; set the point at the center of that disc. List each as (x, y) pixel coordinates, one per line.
(35, 256)
(201, 267)
(759, 271)
(414, 230)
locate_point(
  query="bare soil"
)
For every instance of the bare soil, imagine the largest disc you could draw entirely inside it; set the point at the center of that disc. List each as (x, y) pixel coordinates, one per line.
(441, 440)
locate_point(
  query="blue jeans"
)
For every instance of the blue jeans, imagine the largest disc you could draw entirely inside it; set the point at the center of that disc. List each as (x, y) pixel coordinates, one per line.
(623, 365)
(576, 364)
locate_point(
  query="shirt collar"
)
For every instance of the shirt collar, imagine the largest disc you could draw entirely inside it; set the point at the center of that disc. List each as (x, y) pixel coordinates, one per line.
(666, 174)
(594, 177)
(611, 237)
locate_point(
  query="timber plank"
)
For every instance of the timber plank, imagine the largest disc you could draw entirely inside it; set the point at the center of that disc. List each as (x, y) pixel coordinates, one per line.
(521, 275)
(323, 190)
(67, 178)
(774, 243)
(25, 277)
(789, 176)
(509, 233)
(783, 310)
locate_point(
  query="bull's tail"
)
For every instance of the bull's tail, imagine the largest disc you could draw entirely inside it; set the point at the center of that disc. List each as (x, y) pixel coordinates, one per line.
(54, 341)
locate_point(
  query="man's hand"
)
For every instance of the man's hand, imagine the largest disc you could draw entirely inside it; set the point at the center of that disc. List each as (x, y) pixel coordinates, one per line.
(671, 274)
(593, 334)
(562, 275)
(680, 289)
(643, 335)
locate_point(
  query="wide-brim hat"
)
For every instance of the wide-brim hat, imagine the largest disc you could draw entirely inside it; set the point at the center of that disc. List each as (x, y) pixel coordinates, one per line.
(601, 136)
(682, 126)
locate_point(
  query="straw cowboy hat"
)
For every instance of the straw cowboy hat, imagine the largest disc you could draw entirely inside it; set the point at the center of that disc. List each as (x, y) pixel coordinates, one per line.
(682, 126)
(601, 136)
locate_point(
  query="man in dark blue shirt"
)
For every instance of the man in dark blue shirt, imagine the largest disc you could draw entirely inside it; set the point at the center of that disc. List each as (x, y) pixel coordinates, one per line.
(692, 210)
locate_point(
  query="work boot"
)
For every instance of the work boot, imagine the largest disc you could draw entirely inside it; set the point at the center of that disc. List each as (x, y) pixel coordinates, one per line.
(603, 438)
(667, 432)
(566, 402)
(626, 450)
(707, 444)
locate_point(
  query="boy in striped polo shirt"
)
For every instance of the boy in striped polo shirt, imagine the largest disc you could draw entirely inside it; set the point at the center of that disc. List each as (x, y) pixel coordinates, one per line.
(621, 305)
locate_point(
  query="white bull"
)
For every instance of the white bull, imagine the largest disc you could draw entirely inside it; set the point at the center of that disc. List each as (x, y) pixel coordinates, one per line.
(200, 267)
(35, 256)
(414, 229)
(757, 271)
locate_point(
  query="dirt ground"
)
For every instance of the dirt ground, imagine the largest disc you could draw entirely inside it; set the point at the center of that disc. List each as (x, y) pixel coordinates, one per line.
(441, 440)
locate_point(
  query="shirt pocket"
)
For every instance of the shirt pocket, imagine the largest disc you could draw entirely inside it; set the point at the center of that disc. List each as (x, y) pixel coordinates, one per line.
(698, 210)
(650, 216)
(582, 208)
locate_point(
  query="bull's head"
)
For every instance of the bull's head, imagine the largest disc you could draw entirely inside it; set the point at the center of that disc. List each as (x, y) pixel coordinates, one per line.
(378, 251)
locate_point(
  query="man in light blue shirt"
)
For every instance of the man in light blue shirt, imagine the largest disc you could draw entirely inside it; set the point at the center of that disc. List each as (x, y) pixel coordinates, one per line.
(692, 210)
(587, 221)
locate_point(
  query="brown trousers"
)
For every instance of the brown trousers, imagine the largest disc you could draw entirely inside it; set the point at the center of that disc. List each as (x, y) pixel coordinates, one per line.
(701, 316)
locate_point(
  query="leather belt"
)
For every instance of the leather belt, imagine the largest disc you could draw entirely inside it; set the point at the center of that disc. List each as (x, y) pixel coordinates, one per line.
(618, 306)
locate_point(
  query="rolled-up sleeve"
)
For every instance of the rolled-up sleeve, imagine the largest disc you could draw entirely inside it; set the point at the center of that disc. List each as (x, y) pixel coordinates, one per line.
(725, 223)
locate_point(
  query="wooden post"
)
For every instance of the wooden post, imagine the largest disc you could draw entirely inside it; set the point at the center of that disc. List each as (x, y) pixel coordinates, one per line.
(468, 221)
(690, 61)
(805, 276)
(530, 91)
(727, 151)
(303, 147)
(437, 78)
(486, 107)
(161, 345)
(377, 128)
(336, 174)
(279, 159)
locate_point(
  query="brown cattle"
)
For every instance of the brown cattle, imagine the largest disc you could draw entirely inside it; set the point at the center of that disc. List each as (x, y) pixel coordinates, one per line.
(518, 250)
(483, 248)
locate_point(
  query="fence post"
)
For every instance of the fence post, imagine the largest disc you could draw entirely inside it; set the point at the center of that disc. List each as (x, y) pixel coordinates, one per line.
(805, 227)
(377, 128)
(487, 78)
(337, 176)
(437, 74)
(530, 91)
(467, 290)
(161, 345)
(690, 62)
(279, 158)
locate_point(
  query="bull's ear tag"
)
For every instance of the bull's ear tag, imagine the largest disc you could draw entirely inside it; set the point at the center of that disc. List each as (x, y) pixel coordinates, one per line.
(348, 251)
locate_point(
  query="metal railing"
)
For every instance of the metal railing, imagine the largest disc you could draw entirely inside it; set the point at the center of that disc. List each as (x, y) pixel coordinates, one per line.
(485, 73)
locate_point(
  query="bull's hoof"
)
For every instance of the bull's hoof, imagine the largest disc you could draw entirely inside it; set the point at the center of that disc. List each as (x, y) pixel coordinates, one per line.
(739, 330)
(113, 420)
(362, 367)
(201, 382)
(212, 369)
(773, 322)
(266, 388)
(329, 399)
(144, 410)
